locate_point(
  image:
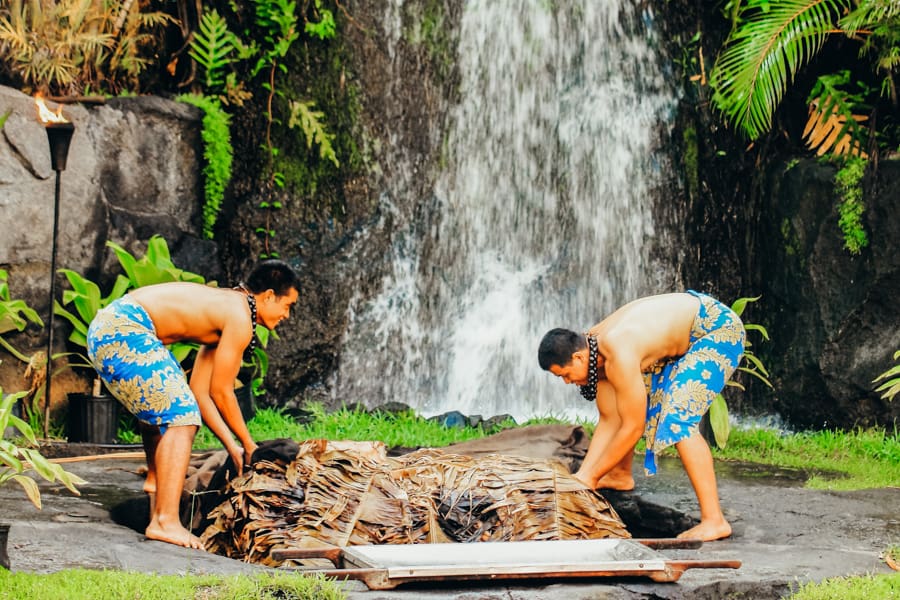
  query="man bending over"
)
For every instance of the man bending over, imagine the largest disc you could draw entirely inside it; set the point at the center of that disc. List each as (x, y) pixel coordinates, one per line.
(127, 346)
(653, 368)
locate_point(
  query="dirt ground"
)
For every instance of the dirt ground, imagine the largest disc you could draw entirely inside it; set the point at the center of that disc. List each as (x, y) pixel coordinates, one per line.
(783, 535)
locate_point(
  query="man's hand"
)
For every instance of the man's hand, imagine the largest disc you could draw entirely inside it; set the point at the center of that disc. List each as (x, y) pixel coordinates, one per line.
(249, 448)
(236, 453)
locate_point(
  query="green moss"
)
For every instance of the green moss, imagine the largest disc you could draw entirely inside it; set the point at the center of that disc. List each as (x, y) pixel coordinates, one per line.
(848, 186)
(317, 73)
(691, 161)
(430, 29)
(791, 241)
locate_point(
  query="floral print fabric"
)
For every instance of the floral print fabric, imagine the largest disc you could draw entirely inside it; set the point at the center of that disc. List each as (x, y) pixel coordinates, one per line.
(138, 369)
(680, 390)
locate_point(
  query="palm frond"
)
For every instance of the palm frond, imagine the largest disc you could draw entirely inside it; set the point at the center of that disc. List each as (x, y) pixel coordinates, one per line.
(771, 43)
(868, 14)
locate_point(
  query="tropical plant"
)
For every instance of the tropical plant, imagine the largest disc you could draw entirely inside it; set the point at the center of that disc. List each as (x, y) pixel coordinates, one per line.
(85, 298)
(891, 385)
(218, 153)
(772, 40)
(68, 46)
(16, 460)
(14, 316)
(750, 364)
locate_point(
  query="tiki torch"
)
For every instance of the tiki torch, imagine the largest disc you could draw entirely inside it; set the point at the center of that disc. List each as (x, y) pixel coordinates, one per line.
(59, 134)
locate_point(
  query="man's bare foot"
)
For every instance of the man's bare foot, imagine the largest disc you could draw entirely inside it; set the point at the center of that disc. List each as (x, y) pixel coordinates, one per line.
(177, 535)
(707, 531)
(616, 481)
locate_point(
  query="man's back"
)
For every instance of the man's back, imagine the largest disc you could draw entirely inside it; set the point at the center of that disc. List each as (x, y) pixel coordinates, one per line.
(183, 311)
(653, 328)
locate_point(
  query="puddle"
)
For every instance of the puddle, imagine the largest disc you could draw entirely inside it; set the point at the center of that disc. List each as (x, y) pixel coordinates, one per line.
(109, 496)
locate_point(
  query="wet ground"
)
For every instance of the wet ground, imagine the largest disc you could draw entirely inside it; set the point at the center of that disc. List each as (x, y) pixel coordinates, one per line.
(783, 535)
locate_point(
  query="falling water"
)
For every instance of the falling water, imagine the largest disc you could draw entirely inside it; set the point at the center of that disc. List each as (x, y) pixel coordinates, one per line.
(540, 217)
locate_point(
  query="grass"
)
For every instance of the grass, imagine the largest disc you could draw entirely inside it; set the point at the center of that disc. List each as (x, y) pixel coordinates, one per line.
(866, 587)
(835, 460)
(403, 429)
(78, 584)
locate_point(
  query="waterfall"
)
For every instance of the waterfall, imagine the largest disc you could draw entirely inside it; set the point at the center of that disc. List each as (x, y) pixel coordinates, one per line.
(541, 213)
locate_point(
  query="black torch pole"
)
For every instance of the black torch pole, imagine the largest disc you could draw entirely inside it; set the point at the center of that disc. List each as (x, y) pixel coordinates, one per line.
(58, 135)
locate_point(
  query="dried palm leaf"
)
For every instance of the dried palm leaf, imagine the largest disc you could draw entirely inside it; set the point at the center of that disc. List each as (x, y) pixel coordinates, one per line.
(350, 493)
(827, 131)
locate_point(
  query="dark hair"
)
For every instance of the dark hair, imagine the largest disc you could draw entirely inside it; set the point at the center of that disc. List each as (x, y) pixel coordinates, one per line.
(558, 346)
(273, 274)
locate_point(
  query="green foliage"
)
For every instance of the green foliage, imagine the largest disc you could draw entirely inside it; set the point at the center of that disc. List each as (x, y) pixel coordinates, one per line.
(772, 41)
(750, 364)
(259, 360)
(891, 386)
(212, 47)
(325, 27)
(14, 316)
(848, 186)
(17, 460)
(83, 584)
(218, 153)
(834, 125)
(877, 22)
(404, 429)
(834, 460)
(217, 50)
(863, 587)
(310, 122)
(66, 46)
(155, 266)
(765, 51)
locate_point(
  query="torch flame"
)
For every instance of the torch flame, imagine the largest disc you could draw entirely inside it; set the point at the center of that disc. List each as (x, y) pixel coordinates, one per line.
(46, 115)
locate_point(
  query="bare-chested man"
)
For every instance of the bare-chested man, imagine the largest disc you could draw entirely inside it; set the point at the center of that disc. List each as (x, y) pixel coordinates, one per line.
(653, 368)
(126, 344)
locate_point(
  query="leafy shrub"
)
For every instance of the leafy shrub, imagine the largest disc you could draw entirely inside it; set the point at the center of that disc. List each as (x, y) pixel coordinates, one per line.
(16, 461)
(68, 46)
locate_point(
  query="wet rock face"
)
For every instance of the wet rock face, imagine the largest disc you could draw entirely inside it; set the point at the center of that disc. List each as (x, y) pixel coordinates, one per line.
(133, 171)
(833, 317)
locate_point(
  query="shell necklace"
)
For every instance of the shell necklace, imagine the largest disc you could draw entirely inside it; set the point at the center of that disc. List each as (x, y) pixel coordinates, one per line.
(589, 391)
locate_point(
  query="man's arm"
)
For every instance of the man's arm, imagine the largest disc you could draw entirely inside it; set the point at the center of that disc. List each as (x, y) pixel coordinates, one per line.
(212, 381)
(623, 378)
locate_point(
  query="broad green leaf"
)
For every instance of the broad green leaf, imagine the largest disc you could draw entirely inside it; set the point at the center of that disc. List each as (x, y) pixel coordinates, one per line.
(741, 303)
(718, 420)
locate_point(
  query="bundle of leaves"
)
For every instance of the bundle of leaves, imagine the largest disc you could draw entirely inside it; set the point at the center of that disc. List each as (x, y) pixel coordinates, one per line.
(352, 493)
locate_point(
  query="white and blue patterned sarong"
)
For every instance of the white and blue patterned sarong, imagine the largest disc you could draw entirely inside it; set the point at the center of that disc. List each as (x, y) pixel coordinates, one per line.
(138, 369)
(680, 390)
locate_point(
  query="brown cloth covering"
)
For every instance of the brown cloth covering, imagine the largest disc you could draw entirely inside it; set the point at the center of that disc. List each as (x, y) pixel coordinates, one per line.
(566, 443)
(349, 493)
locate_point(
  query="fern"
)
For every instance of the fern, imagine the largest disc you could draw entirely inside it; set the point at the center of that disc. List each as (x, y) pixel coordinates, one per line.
(309, 121)
(212, 47)
(891, 386)
(217, 152)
